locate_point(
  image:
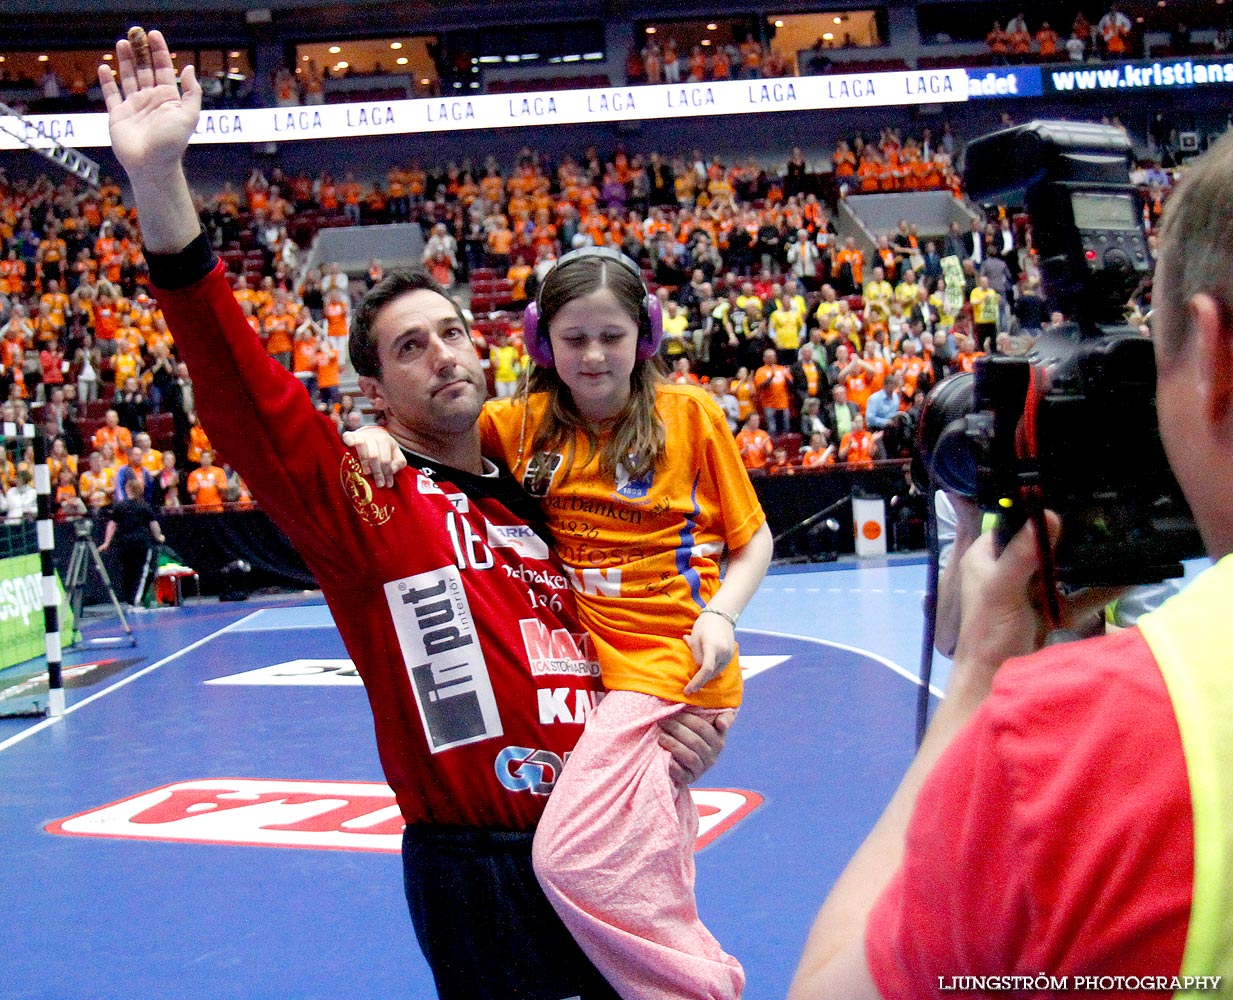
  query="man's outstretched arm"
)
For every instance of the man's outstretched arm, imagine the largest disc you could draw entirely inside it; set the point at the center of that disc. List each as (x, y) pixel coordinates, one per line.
(151, 117)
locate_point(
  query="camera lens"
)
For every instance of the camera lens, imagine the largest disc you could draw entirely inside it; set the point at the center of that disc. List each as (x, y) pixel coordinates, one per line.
(942, 445)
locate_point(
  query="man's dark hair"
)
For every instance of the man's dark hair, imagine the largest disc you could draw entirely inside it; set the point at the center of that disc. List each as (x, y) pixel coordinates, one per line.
(363, 346)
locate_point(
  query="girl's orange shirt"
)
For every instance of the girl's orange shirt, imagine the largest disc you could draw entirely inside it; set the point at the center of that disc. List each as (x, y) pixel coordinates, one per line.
(641, 553)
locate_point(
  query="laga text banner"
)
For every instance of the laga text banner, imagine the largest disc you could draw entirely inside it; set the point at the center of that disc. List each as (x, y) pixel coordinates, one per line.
(558, 107)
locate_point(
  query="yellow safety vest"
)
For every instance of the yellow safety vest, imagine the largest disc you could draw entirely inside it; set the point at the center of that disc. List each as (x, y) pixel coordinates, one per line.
(1190, 638)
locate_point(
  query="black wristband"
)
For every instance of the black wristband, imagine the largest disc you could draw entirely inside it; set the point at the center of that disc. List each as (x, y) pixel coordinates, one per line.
(173, 271)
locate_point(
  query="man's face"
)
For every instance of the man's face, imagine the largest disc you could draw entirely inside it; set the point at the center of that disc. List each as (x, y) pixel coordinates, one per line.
(431, 384)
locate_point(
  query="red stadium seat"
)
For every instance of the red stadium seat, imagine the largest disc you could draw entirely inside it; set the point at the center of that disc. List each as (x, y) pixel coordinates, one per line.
(790, 442)
(161, 428)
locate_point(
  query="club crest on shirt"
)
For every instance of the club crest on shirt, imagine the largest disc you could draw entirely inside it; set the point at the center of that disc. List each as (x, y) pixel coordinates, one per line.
(359, 492)
(634, 487)
(540, 469)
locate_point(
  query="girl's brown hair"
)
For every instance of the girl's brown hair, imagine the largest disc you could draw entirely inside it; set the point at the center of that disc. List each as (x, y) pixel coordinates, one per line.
(638, 439)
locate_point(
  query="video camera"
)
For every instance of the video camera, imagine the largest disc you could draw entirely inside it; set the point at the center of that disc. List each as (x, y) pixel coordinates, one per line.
(1072, 425)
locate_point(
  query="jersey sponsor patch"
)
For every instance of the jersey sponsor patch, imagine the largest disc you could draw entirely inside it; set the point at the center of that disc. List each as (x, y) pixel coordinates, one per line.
(557, 651)
(445, 663)
(633, 487)
(317, 815)
(359, 492)
(522, 539)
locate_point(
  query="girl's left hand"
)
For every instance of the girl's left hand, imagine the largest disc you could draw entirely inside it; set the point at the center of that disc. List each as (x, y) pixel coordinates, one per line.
(379, 455)
(712, 640)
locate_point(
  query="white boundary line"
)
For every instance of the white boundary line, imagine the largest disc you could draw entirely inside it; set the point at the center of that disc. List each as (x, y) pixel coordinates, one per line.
(51, 721)
(890, 664)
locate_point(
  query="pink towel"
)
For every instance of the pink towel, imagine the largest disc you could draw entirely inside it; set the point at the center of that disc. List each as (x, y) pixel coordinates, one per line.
(614, 852)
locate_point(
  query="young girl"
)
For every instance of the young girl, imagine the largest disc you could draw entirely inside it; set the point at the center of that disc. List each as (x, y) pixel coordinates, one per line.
(643, 489)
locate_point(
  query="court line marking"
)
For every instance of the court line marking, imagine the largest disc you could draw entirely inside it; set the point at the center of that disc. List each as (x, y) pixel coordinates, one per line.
(890, 664)
(69, 710)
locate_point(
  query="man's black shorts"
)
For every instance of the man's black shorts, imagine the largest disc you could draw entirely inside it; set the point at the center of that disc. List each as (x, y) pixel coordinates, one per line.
(483, 922)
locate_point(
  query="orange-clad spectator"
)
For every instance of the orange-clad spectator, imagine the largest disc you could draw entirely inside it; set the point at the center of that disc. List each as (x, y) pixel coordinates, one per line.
(913, 367)
(126, 363)
(869, 171)
(1046, 41)
(244, 294)
(111, 433)
(856, 376)
(151, 457)
(780, 464)
(500, 240)
(47, 326)
(681, 374)
(697, 64)
(279, 326)
(773, 383)
(751, 58)
(49, 258)
(327, 195)
(818, 453)
(1114, 29)
(60, 460)
(304, 352)
(376, 201)
(98, 478)
(326, 364)
(491, 186)
(720, 64)
(198, 443)
(754, 443)
(854, 257)
(742, 387)
(519, 272)
(417, 182)
(13, 275)
(1020, 42)
(844, 160)
(350, 192)
(207, 485)
(998, 42)
(859, 447)
(18, 332)
(67, 498)
(965, 359)
(336, 314)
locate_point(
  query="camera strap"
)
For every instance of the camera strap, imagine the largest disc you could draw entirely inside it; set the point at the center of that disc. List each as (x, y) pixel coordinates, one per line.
(1027, 449)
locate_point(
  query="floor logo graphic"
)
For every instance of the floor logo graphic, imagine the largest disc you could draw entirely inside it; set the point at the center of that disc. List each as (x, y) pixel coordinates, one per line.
(320, 815)
(342, 672)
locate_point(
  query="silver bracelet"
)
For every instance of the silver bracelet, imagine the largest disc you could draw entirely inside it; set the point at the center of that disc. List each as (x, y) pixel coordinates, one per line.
(725, 615)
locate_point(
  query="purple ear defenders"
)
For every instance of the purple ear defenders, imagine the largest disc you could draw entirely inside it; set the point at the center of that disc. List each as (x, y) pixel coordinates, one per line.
(650, 330)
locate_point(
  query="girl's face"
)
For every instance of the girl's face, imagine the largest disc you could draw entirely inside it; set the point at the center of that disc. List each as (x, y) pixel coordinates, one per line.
(595, 344)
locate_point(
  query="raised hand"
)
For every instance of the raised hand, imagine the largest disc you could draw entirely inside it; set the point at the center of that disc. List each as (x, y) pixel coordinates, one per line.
(153, 120)
(150, 128)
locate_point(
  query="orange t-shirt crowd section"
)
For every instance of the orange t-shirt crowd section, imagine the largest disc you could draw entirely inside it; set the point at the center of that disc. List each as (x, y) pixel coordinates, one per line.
(746, 260)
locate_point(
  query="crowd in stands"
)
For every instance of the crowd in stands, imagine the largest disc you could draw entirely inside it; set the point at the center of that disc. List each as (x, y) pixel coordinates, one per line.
(86, 356)
(818, 353)
(1109, 38)
(665, 62)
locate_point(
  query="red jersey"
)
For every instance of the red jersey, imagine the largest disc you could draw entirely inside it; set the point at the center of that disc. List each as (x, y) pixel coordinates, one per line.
(1055, 835)
(460, 623)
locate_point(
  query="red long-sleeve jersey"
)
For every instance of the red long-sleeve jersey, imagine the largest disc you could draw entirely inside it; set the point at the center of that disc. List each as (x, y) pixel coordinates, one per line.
(458, 620)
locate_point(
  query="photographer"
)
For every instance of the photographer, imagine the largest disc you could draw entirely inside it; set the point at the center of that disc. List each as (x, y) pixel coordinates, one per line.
(1051, 822)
